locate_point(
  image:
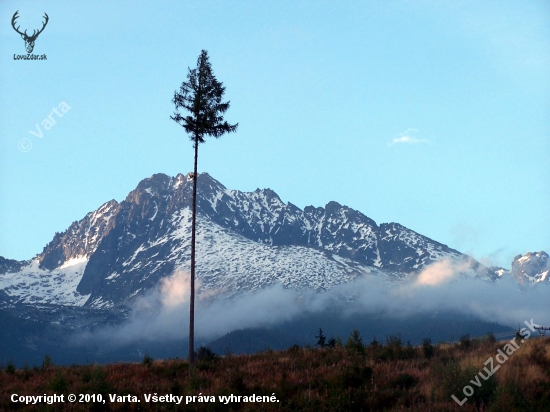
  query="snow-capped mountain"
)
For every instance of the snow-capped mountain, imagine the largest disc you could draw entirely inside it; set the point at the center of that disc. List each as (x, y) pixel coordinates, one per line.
(246, 241)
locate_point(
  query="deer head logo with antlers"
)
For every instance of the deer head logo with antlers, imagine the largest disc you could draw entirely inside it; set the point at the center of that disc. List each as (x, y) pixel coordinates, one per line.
(29, 40)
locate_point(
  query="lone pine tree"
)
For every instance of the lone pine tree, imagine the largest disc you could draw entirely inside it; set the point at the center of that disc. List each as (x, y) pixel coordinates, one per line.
(201, 96)
(321, 339)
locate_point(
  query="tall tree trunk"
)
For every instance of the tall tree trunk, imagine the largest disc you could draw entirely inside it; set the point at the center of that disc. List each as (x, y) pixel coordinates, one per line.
(193, 232)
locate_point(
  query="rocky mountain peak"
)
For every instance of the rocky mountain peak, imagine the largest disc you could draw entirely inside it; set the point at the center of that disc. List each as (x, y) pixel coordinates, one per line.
(533, 267)
(81, 238)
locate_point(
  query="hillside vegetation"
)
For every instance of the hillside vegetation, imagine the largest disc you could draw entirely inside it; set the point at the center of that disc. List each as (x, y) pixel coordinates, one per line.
(352, 376)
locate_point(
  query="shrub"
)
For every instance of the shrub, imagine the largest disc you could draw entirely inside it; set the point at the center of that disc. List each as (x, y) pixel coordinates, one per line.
(465, 341)
(10, 367)
(58, 383)
(86, 374)
(449, 379)
(427, 348)
(508, 398)
(147, 360)
(95, 376)
(491, 337)
(394, 341)
(404, 381)
(206, 358)
(294, 348)
(236, 382)
(172, 369)
(47, 362)
(394, 349)
(26, 371)
(356, 376)
(538, 354)
(386, 353)
(486, 392)
(408, 352)
(354, 344)
(204, 353)
(176, 389)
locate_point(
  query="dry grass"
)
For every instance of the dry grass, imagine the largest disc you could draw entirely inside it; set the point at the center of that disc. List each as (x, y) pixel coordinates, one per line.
(381, 378)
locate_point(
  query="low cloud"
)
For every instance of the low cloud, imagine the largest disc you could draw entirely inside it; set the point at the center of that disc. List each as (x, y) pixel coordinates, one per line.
(440, 272)
(163, 313)
(175, 290)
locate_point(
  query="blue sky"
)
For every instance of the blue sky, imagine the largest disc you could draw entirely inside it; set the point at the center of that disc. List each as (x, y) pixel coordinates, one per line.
(431, 114)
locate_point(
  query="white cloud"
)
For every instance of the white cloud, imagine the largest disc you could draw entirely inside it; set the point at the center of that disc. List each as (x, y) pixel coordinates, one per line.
(439, 272)
(407, 137)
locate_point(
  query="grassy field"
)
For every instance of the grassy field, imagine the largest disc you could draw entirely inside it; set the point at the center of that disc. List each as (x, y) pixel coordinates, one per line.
(348, 377)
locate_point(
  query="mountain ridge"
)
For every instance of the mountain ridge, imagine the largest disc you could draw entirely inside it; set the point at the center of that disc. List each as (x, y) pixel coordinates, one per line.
(249, 240)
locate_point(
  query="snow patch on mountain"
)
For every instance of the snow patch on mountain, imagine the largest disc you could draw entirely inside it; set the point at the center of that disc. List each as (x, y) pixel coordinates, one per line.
(230, 263)
(34, 285)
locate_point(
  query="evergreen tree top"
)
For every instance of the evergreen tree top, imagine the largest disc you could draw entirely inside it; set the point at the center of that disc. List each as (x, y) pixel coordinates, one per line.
(201, 96)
